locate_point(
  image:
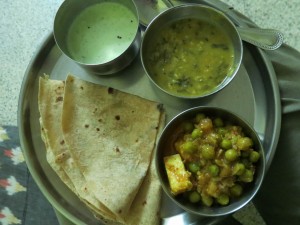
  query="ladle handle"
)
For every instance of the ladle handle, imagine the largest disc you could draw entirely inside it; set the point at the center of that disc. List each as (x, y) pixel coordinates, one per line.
(268, 39)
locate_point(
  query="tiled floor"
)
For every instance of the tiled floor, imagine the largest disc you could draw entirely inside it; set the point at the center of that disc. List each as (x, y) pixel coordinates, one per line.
(24, 24)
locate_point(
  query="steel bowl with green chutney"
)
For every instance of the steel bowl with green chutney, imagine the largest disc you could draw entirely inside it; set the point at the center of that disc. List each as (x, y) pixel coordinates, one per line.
(101, 36)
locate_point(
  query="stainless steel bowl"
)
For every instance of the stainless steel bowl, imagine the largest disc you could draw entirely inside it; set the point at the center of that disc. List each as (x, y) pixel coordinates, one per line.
(106, 43)
(163, 149)
(203, 13)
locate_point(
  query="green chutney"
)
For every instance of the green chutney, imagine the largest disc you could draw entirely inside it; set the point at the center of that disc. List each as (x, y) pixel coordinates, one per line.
(101, 32)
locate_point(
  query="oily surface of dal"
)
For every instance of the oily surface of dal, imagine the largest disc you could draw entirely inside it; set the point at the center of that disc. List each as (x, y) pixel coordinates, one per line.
(50, 102)
(111, 136)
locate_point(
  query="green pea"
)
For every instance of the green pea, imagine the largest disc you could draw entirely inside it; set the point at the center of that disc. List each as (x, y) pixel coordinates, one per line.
(238, 169)
(244, 143)
(218, 122)
(208, 152)
(194, 197)
(223, 199)
(254, 156)
(226, 144)
(214, 170)
(231, 155)
(188, 127)
(193, 167)
(247, 176)
(199, 117)
(196, 133)
(207, 200)
(189, 147)
(236, 190)
(212, 139)
(221, 130)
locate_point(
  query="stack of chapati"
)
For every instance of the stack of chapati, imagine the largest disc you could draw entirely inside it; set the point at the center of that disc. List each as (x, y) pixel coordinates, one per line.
(100, 142)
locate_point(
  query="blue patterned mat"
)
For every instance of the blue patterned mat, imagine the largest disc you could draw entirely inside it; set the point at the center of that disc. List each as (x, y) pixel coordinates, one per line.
(21, 201)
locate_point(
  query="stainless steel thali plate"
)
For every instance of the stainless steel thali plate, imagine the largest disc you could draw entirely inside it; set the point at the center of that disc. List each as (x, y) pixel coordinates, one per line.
(253, 95)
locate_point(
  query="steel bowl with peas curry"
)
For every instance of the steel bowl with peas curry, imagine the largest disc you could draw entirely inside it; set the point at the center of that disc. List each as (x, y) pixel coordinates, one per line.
(210, 160)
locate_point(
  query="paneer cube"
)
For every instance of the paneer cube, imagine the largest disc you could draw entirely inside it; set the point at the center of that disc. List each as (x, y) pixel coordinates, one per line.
(177, 175)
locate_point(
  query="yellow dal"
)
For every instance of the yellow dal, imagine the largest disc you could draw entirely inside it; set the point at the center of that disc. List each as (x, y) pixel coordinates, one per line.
(190, 57)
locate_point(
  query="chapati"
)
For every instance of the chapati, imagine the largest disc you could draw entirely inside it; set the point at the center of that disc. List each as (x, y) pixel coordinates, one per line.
(100, 142)
(50, 101)
(111, 136)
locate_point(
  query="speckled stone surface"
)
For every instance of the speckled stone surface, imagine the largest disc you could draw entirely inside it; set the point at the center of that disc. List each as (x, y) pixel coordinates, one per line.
(281, 15)
(24, 25)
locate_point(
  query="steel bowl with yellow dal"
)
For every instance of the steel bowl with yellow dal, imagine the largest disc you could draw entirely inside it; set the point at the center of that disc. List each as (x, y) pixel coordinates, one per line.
(191, 51)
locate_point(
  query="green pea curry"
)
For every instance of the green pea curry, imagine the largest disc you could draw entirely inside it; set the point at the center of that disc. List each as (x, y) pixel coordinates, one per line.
(213, 161)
